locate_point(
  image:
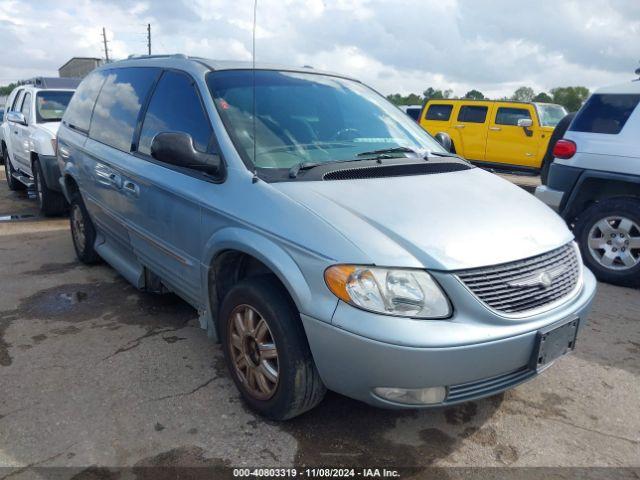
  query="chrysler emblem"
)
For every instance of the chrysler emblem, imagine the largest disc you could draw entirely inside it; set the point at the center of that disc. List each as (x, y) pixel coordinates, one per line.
(541, 278)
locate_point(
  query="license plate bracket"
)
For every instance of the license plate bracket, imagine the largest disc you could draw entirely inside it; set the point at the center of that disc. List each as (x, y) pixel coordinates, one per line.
(553, 342)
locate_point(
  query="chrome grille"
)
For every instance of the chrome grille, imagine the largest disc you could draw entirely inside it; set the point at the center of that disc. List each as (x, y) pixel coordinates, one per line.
(519, 287)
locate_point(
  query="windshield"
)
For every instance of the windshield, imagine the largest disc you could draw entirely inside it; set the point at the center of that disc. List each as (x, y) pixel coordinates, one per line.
(550, 114)
(309, 118)
(50, 105)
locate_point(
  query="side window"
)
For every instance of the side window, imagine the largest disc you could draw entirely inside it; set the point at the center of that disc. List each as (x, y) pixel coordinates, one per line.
(175, 107)
(78, 113)
(26, 107)
(605, 113)
(15, 106)
(510, 116)
(439, 112)
(472, 114)
(116, 112)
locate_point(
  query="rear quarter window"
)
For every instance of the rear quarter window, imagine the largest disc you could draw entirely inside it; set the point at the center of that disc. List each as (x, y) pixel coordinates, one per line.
(605, 113)
(439, 112)
(78, 112)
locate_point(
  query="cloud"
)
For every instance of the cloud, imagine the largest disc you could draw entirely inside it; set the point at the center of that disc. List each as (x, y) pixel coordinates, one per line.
(395, 46)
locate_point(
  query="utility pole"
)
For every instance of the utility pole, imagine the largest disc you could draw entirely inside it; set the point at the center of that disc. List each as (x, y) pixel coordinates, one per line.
(104, 39)
(149, 38)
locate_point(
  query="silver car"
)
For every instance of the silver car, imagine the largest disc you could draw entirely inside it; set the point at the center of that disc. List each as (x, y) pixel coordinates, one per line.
(327, 241)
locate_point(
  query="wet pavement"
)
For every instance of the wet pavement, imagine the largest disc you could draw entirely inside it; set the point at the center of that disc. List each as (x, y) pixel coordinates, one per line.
(95, 374)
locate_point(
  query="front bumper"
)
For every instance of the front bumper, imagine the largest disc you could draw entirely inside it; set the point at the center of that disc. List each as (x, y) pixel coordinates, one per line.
(353, 365)
(553, 198)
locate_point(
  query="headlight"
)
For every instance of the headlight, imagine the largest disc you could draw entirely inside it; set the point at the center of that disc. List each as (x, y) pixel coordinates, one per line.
(406, 293)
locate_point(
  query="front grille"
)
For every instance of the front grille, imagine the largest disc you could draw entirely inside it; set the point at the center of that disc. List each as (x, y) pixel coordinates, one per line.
(519, 287)
(488, 386)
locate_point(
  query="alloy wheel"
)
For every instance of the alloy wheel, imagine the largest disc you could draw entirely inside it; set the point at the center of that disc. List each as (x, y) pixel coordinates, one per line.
(614, 242)
(253, 352)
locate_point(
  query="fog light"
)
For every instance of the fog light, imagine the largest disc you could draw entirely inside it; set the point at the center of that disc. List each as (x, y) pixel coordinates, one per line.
(412, 396)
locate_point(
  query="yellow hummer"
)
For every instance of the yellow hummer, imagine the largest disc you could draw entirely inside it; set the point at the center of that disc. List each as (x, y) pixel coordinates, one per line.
(501, 134)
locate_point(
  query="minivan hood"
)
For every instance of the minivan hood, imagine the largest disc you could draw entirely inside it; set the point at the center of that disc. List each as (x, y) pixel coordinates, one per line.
(446, 221)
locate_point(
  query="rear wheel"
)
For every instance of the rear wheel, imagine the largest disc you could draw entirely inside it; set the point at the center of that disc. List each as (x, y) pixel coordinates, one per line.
(50, 202)
(83, 233)
(8, 171)
(609, 236)
(266, 349)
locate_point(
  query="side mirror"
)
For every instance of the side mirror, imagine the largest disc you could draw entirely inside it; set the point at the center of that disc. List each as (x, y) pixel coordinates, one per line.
(176, 148)
(525, 122)
(16, 117)
(445, 140)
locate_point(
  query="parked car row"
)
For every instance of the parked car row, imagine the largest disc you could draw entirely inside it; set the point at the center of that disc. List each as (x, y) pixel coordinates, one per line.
(326, 239)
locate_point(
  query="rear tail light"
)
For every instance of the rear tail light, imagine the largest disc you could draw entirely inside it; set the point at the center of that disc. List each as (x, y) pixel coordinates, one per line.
(564, 149)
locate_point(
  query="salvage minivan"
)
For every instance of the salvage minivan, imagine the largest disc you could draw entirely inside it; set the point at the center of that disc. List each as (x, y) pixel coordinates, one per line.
(326, 240)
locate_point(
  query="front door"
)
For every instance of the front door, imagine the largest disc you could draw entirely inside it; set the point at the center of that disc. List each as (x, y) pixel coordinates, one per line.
(510, 144)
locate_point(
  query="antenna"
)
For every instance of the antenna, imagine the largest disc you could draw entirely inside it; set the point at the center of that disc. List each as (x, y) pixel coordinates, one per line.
(253, 57)
(106, 50)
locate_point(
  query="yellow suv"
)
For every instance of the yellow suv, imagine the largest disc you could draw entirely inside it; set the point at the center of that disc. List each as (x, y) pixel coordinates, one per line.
(495, 133)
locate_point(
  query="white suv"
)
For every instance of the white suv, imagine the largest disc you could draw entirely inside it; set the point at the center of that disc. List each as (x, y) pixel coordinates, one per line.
(594, 182)
(28, 139)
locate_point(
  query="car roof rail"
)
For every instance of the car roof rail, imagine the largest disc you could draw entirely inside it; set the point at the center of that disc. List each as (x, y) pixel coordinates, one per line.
(54, 82)
(165, 55)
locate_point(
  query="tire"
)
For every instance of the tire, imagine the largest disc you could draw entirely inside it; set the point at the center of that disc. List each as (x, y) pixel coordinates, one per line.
(83, 232)
(613, 225)
(50, 202)
(298, 387)
(13, 184)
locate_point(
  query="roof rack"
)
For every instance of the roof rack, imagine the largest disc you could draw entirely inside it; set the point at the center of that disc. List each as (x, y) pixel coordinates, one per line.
(53, 82)
(168, 55)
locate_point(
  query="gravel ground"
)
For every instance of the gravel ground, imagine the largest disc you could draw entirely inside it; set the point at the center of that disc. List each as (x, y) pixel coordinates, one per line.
(96, 374)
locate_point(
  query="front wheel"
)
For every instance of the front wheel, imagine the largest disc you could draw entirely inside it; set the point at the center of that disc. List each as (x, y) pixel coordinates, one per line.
(50, 202)
(266, 349)
(608, 233)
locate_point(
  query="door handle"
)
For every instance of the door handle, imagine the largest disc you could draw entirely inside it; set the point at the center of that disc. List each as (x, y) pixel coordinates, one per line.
(15, 132)
(64, 153)
(458, 126)
(129, 187)
(115, 180)
(495, 129)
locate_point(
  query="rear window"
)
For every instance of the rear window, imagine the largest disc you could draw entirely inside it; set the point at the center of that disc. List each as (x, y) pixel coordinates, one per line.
(472, 114)
(605, 113)
(414, 113)
(439, 112)
(510, 116)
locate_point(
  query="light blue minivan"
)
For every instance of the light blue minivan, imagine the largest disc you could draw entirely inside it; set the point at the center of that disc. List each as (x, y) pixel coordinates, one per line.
(325, 239)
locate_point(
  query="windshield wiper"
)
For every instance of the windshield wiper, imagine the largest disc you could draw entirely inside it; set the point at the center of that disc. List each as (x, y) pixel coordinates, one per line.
(384, 151)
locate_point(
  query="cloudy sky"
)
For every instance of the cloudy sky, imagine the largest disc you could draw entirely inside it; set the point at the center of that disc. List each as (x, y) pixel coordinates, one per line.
(394, 45)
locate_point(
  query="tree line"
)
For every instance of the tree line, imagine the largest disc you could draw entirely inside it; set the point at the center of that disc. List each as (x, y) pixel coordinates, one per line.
(570, 98)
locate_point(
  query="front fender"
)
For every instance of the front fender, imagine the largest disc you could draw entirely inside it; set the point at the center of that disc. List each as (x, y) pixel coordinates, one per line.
(300, 271)
(265, 250)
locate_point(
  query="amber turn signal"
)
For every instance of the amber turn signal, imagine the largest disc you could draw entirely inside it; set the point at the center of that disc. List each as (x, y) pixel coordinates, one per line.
(336, 278)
